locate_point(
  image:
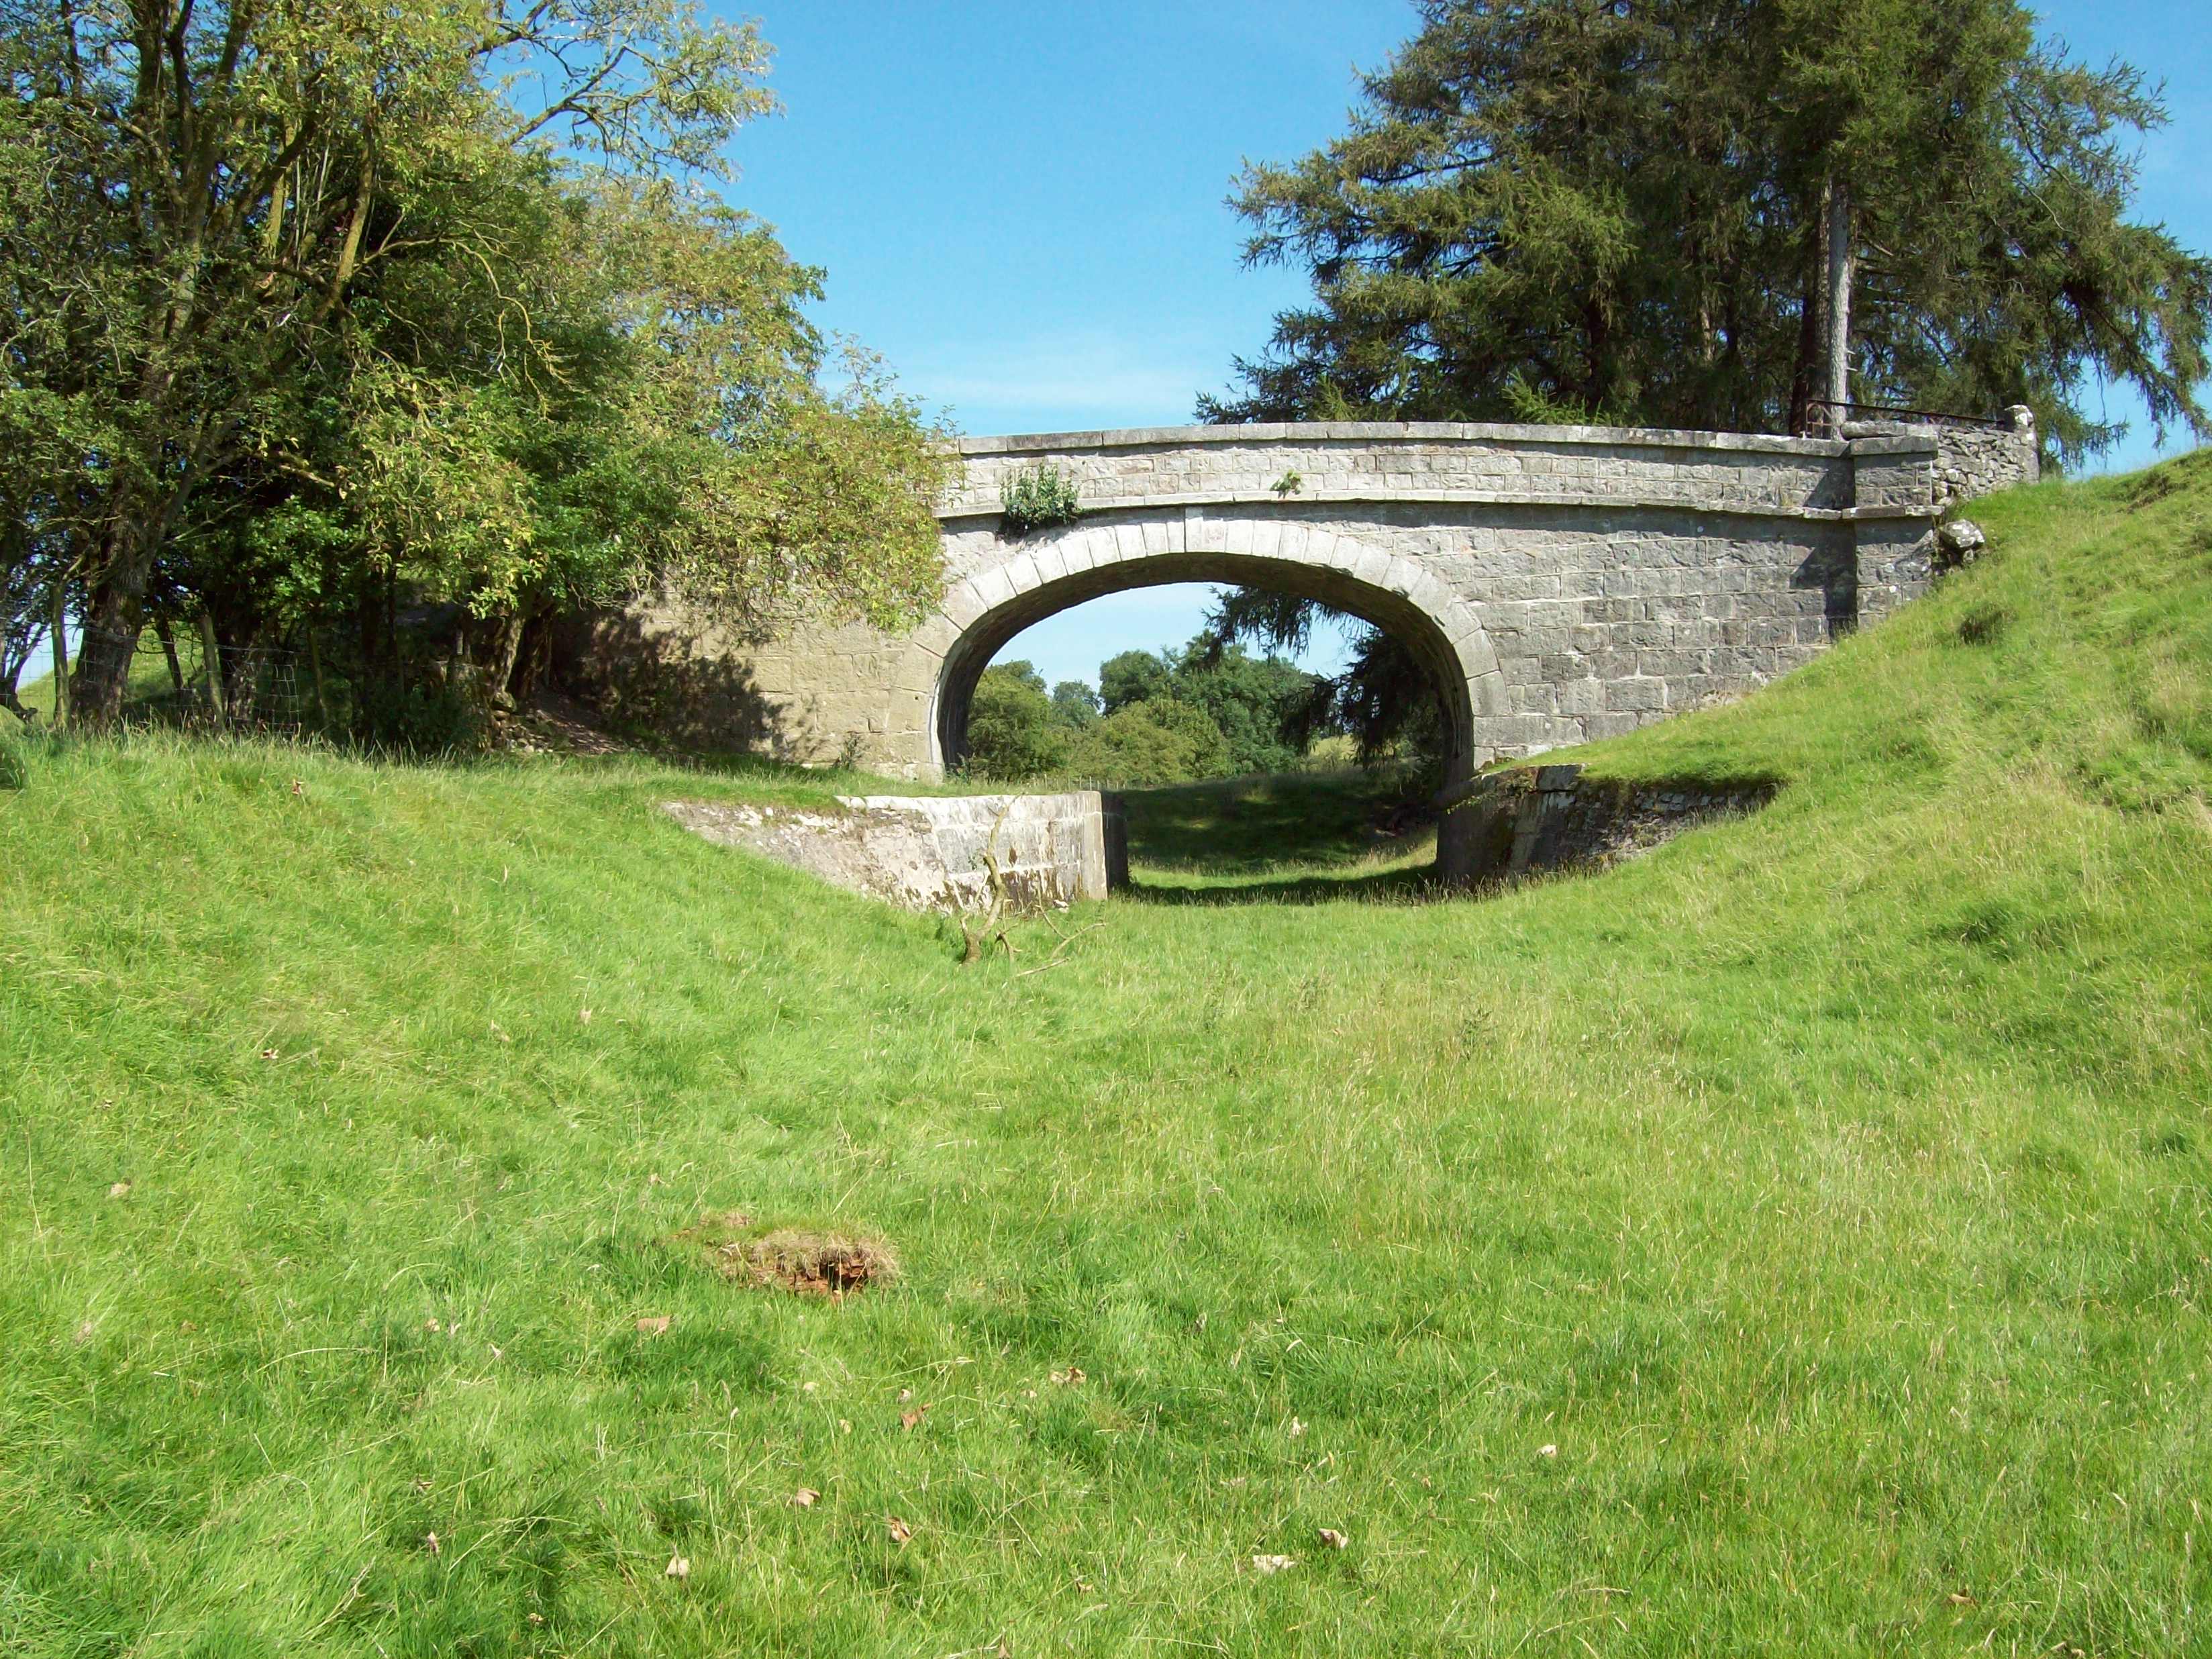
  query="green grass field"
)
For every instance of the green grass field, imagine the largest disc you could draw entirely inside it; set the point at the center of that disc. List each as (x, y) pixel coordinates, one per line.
(1796, 1241)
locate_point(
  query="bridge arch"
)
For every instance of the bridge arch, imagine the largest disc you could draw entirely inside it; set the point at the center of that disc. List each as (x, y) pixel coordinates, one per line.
(1251, 546)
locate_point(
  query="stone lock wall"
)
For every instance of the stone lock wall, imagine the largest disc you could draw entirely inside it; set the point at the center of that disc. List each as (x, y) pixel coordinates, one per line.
(1560, 584)
(1528, 819)
(928, 852)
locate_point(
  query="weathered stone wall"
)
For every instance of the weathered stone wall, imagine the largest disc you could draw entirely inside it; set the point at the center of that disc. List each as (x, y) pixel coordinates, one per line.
(1971, 460)
(1529, 819)
(928, 853)
(1560, 583)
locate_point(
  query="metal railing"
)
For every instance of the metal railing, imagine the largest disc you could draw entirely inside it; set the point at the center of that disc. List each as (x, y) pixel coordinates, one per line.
(1902, 412)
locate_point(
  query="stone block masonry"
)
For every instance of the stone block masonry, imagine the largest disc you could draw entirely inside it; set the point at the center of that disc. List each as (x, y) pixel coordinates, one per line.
(1558, 583)
(1529, 819)
(928, 852)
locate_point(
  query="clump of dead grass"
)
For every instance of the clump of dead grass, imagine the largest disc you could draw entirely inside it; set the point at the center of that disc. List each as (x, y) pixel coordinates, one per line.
(804, 1260)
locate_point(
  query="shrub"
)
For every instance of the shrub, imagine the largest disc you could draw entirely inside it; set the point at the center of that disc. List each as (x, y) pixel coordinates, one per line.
(1012, 733)
(1038, 498)
(429, 716)
(1166, 740)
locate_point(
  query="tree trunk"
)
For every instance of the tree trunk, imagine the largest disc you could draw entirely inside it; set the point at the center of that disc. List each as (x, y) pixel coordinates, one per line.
(211, 666)
(1802, 385)
(322, 690)
(1843, 270)
(113, 618)
(168, 636)
(497, 645)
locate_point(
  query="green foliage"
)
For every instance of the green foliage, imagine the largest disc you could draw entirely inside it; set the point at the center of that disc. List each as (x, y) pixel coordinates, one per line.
(1804, 1229)
(1160, 741)
(422, 716)
(1383, 699)
(331, 311)
(1074, 704)
(1133, 676)
(1254, 701)
(1563, 210)
(1167, 716)
(1038, 498)
(1014, 731)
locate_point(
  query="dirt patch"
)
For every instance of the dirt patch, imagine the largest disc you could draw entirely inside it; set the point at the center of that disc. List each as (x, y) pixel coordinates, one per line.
(800, 1260)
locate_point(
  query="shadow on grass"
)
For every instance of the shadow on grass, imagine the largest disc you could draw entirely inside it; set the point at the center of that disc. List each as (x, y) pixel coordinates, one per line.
(1255, 826)
(1415, 885)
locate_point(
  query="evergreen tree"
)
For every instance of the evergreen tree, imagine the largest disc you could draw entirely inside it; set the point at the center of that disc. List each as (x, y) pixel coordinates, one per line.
(1629, 209)
(1716, 214)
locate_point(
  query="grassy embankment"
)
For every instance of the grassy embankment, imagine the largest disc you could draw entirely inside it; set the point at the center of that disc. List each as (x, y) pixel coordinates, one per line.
(1797, 1240)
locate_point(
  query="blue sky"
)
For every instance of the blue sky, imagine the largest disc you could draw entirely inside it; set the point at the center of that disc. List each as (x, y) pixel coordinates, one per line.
(1021, 205)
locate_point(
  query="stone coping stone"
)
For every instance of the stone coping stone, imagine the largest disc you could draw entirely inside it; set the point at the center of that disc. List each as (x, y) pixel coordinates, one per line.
(1710, 507)
(1285, 432)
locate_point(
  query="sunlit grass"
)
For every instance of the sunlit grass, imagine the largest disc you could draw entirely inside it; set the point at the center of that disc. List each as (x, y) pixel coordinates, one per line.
(1795, 1241)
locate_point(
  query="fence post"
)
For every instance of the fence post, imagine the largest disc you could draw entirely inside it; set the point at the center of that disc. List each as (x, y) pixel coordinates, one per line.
(60, 624)
(322, 694)
(211, 666)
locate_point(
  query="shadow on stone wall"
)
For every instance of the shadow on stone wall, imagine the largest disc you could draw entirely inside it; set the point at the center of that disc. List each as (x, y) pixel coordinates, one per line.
(1834, 571)
(1534, 819)
(647, 681)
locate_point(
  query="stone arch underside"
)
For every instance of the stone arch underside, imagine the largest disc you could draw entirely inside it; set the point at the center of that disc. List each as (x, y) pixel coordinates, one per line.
(1047, 573)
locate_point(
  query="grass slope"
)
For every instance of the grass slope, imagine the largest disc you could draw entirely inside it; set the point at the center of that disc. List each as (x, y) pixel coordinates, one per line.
(1796, 1240)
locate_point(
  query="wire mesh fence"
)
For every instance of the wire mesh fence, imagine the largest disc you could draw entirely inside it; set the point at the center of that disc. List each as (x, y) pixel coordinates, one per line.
(259, 689)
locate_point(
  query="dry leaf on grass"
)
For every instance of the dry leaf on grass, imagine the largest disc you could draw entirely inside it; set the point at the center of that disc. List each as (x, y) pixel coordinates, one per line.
(1266, 1563)
(120, 1189)
(1548, 1451)
(679, 1567)
(805, 1498)
(1071, 1377)
(908, 1419)
(1297, 1428)
(1334, 1538)
(430, 1543)
(654, 1325)
(899, 1530)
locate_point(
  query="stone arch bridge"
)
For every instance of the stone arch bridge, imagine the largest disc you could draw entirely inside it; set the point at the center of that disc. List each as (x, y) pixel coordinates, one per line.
(1560, 584)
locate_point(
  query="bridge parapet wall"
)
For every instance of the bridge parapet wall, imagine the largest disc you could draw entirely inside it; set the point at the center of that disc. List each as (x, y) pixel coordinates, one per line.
(1418, 463)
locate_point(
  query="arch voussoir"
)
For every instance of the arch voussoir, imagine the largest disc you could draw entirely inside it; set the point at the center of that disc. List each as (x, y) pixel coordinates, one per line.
(1023, 585)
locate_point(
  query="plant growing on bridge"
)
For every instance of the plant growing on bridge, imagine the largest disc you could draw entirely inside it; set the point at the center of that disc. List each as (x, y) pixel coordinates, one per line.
(1038, 498)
